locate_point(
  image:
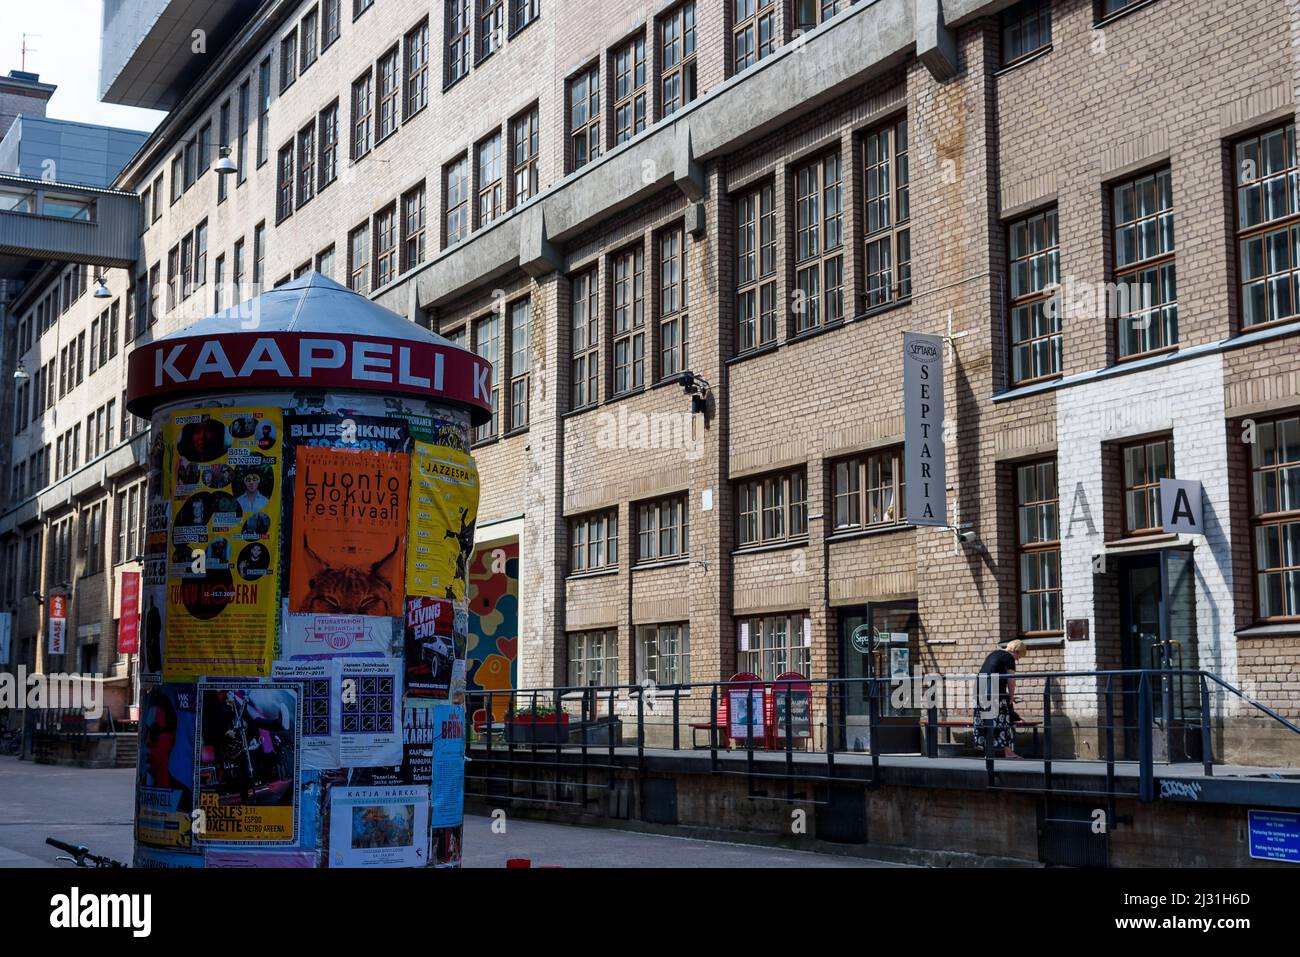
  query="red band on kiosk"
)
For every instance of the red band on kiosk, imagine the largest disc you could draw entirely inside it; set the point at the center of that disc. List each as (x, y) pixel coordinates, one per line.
(172, 368)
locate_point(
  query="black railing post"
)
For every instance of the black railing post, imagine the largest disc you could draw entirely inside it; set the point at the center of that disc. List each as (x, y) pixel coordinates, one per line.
(829, 735)
(640, 727)
(1146, 757)
(677, 727)
(610, 739)
(1207, 745)
(789, 746)
(984, 724)
(749, 740)
(932, 732)
(713, 731)
(1110, 737)
(1047, 739)
(873, 706)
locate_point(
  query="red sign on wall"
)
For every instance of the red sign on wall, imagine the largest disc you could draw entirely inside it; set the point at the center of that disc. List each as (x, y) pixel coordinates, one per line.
(58, 606)
(56, 625)
(128, 626)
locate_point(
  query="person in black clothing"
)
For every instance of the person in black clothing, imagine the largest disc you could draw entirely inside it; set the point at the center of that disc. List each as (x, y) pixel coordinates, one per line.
(1001, 664)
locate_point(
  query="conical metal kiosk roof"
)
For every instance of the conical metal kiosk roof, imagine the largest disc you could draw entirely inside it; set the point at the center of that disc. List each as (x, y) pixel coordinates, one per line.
(311, 333)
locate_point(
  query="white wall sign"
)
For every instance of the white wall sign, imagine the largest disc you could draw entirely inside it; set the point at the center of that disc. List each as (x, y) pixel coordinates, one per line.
(923, 429)
(1180, 506)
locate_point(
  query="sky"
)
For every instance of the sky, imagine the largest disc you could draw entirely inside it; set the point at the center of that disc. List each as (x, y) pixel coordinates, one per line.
(63, 47)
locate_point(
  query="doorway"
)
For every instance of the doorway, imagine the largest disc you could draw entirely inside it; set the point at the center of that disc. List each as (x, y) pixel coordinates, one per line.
(1158, 635)
(878, 640)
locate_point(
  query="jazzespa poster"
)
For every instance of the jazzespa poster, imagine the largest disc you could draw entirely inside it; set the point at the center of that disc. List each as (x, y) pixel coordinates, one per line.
(444, 507)
(348, 552)
(222, 579)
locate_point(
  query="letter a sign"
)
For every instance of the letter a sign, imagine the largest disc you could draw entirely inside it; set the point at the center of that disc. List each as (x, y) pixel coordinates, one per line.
(1180, 506)
(927, 502)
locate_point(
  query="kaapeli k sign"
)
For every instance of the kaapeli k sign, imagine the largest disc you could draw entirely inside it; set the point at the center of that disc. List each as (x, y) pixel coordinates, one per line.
(927, 502)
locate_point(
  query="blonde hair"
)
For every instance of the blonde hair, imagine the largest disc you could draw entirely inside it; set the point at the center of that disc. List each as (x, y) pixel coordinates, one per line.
(1016, 647)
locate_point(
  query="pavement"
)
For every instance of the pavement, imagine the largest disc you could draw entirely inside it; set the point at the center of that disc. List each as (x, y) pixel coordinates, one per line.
(95, 807)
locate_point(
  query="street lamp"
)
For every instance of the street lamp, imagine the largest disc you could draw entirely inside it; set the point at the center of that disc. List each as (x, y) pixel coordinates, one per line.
(698, 389)
(101, 290)
(21, 372)
(225, 166)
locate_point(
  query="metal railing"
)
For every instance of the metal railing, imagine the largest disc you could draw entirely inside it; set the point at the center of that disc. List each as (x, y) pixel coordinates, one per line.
(566, 744)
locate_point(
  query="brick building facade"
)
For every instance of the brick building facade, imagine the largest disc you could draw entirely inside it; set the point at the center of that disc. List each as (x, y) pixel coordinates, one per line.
(601, 197)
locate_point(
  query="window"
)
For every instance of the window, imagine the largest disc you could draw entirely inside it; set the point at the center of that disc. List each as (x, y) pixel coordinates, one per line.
(629, 320)
(775, 645)
(663, 529)
(1145, 464)
(1268, 226)
(1275, 486)
(586, 340)
(491, 29)
(773, 509)
(491, 190)
(413, 227)
(1026, 29)
(363, 110)
(111, 344)
(389, 88)
(329, 23)
(218, 282)
(809, 14)
(307, 53)
(325, 262)
(191, 164)
(92, 540)
(593, 658)
(263, 109)
(284, 183)
(584, 116)
(524, 143)
(173, 278)
(361, 6)
(664, 653)
(521, 360)
(417, 69)
(201, 254)
(523, 12)
(754, 34)
(869, 491)
(237, 270)
(288, 59)
(819, 260)
(187, 266)
(1144, 264)
(887, 215)
(259, 254)
(1039, 547)
(756, 269)
(629, 90)
(306, 163)
(178, 174)
(155, 285)
(593, 542)
(245, 94)
(487, 343)
(458, 40)
(223, 137)
(677, 59)
(385, 245)
(456, 189)
(674, 328)
(359, 258)
(1035, 318)
(328, 134)
(158, 197)
(1108, 8)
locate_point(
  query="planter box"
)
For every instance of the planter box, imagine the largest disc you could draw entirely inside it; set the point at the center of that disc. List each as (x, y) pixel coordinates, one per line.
(525, 729)
(600, 732)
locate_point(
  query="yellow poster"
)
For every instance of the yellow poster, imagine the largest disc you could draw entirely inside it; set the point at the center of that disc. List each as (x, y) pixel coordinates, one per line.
(223, 562)
(444, 507)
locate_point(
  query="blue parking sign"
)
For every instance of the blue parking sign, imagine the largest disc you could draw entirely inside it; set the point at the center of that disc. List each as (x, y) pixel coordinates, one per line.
(1275, 835)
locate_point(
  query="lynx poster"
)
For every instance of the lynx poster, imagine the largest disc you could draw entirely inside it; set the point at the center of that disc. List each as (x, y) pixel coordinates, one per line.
(248, 763)
(222, 577)
(444, 507)
(165, 782)
(348, 552)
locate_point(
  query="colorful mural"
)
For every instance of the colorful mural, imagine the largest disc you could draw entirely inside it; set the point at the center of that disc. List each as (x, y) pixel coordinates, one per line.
(491, 661)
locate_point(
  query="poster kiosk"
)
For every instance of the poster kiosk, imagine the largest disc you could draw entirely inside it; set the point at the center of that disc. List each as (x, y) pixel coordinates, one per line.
(791, 692)
(743, 710)
(310, 517)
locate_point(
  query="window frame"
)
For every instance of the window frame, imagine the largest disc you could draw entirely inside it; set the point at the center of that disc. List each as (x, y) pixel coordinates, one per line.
(1036, 547)
(748, 19)
(361, 126)
(1163, 264)
(792, 509)
(1036, 297)
(756, 269)
(628, 325)
(858, 496)
(581, 657)
(584, 542)
(584, 328)
(1288, 224)
(813, 192)
(650, 640)
(630, 96)
(678, 68)
(1019, 17)
(650, 537)
(1261, 521)
(890, 233)
(583, 90)
(1150, 488)
(672, 331)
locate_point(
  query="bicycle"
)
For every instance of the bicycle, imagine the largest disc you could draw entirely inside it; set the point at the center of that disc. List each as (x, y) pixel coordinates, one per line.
(81, 855)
